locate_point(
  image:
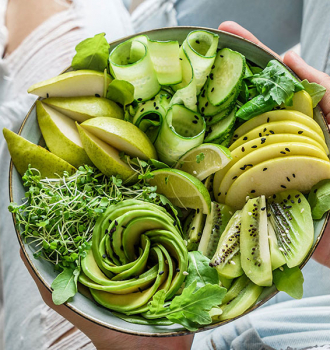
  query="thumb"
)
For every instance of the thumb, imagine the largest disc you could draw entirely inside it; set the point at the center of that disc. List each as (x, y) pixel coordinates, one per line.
(305, 71)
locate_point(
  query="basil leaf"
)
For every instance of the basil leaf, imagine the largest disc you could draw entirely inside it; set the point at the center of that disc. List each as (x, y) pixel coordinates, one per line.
(277, 83)
(121, 91)
(254, 107)
(92, 53)
(200, 271)
(65, 285)
(315, 91)
(290, 281)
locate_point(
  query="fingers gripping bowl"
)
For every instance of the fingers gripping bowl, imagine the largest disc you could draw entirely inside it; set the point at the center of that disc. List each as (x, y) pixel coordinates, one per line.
(86, 306)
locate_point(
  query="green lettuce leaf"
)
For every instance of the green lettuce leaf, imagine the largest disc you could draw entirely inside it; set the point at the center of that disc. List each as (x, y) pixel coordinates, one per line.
(290, 281)
(277, 83)
(92, 53)
(65, 285)
(315, 91)
(200, 271)
(189, 309)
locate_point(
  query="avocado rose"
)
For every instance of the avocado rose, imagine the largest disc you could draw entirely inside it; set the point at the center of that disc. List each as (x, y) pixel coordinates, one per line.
(137, 249)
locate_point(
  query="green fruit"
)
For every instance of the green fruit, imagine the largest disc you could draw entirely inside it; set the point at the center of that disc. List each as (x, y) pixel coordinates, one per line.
(85, 107)
(72, 84)
(276, 116)
(103, 156)
(182, 189)
(276, 256)
(25, 153)
(301, 102)
(204, 160)
(263, 154)
(275, 175)
(193, 228)
(61, 135)
(291, 218)
(227, 257)
(280, 127)
(254, 246)
(243, 300)
(121, 135)
(249, 146)
(135, 250)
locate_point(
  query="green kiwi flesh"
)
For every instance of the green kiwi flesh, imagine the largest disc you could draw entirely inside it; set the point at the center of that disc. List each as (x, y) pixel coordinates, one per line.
(215, 224)
(193, 228)
(290, 215)
(276, 256)
(227, 258)
(254, 246)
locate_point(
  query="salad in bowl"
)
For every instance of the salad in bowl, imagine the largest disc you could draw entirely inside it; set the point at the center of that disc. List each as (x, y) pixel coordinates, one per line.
(175, 178)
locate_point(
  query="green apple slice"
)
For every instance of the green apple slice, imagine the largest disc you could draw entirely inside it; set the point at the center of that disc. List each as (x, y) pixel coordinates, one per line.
(277, 150)
(85, 107)
(70, 84)
(275, 175)
(122, 135)
(25, 153)
(104, 157)
(182, 189)
(277, 116)
(280, 127)
(301, 102)
(61, 135)
(250, 146)
(204, 160)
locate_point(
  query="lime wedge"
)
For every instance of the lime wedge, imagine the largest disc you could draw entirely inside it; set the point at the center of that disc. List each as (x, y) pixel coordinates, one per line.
(182, 189)
(204, 160)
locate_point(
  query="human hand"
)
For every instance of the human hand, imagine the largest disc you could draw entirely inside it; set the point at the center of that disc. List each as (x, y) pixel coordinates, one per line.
(103, 338)
(304, 71)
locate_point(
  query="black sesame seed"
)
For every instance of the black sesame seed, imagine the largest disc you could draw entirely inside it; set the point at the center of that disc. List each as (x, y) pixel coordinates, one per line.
(245, 138)
(152, 98)
(293, 175)
(300, 132)
(180, 58)
(221, 55)
(97, 95)
(268, 120)
(116, 222)
(192, 228)
(265, 129)
(195, 116)
(47, 94)
(197, 41)
(195, 121)
(283, 186)
(197, 210)
(274, 196)
(271, 131)
(263, 208)
(199, 234)
(202, 109)
(299, 200)
(235, 177)
(160, 273)
(264, 169)
(255, 146)
(253, 191)
(288, 178)
(282, 152)
(142, 110)
(156, 108)
(104, 256)
(139, 99)
(243, 149)
(212, 89)
(268, 215)
(219, 194)
(177, 269)
(287, 149)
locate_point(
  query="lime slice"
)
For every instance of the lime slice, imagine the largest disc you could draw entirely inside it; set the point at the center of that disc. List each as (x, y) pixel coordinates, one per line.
(204, 160)
(182, 189)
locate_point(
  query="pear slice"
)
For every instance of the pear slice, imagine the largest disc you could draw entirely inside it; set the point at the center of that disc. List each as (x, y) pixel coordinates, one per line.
(85, 107)
(104, 157)
(301, 102)
(277, 116)
(249, 146)
(276, 150)
(122, 135)
(280, 127)
(75, 83)
(24, 152)
(61, 135)
(275, 175)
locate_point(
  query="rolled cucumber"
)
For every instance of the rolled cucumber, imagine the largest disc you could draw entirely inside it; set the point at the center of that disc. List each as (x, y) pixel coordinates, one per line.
(221, 128)
(182, 130)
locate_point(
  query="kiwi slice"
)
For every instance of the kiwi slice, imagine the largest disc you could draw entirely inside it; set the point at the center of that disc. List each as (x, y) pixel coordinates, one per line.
(215, 224)
(242, 295)
(276, 257)
(193, 228)
(254, 246)
(227, 258)
(290, 215)
(208, 183)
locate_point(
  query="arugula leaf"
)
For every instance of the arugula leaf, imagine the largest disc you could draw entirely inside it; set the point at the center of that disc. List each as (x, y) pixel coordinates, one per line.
(121, 91)
(290, 281)
(189, 309)
(92, 53)
(316, 91)
(277, 83)
(65, 285)
(255, 107)
(200, 271)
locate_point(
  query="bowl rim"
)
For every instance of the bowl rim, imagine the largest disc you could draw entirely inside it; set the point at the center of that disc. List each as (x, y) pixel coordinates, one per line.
(171, 333)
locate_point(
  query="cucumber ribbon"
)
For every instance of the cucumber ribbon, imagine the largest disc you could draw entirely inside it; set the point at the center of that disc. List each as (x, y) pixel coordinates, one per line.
(136, 251)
